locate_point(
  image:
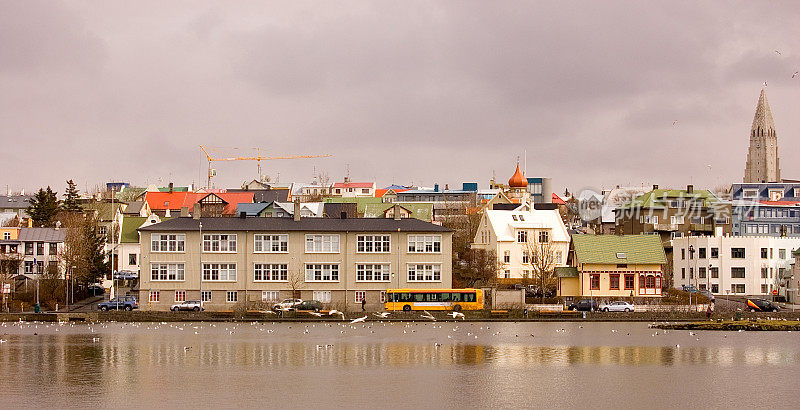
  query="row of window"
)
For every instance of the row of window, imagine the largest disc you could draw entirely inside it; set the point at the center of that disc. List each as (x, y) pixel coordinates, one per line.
(314, 243)
(645, 282)
(736, 253)
(522, 236)
(526, 257)
(232, 296)
(767, 229)
(736, 272)
(39, 247)
(279, 272)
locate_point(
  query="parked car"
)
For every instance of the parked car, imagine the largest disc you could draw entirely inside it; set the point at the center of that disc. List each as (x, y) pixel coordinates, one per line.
(585, 305)
(689, 288)
(618, 306)
(314, 305)
(708, 294)
(761, 305)
(286, 304)
(194, 305)
(122, 302)
(95, 290)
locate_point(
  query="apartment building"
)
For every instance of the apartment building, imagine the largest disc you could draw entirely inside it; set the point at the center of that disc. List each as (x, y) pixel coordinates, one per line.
(730, 265)
(339, 262)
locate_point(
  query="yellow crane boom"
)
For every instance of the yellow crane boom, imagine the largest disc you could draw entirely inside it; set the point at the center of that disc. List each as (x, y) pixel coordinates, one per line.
(258, 158)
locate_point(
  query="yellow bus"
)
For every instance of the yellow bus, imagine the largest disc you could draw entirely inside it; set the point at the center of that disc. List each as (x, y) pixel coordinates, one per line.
(434, 299)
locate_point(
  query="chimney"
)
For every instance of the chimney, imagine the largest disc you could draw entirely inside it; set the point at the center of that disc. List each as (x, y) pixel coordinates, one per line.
(655, 186)
(184, 212)
(196, 211)
(446, 187)
(436, 187)
(396, 212)
(689, 189)
(297, 210)
(170, 187)
(167, 214)
(343, 215)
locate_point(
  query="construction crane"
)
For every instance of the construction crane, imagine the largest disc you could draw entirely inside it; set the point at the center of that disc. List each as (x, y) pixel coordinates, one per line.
(258, 158)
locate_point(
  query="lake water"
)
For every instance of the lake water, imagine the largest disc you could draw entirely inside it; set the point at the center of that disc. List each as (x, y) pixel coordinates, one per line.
(393, 365)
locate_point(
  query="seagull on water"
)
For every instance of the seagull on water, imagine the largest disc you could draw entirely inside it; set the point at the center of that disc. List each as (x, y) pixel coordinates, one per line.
(427, 315)
(382, 314)
(361, 319)
(457, 315)
(317, 314)
(334, 312)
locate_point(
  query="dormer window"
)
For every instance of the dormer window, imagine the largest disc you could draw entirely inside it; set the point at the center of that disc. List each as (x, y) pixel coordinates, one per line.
(622, 255)
(514, 217)
(521, 218)
(166, 204)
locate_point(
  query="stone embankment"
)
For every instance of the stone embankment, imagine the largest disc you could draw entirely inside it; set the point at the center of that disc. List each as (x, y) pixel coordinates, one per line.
(768, 324)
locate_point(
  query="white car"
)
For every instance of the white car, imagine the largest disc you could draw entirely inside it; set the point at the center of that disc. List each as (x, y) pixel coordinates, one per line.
(188, 305)
(618, 306)
(287, 304)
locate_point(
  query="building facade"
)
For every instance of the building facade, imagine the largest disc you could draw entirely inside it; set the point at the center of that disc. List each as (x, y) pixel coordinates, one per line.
(729, 265)
(339, 262)
(613, 266)
(520, 238)
(766, 209)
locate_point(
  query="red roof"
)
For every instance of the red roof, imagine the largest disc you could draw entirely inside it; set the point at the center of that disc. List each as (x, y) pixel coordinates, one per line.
(557, 199)
(161, 201)
(231, 199)
(379, 193)
(785, 203)
(353, 184)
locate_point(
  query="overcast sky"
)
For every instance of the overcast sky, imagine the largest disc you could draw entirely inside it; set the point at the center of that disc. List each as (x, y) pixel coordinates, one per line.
(402, 92)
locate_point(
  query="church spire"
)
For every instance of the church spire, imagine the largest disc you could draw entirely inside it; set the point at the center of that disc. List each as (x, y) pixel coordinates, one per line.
(763, 118)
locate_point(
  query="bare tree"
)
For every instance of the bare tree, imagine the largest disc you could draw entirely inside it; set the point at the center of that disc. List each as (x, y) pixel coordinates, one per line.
(9, 266)
(541, 259)
(478, 267)
(296, 280)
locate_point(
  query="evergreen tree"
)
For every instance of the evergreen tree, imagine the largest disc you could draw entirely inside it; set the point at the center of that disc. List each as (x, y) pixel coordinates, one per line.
(71, 203)
(96, 263)
(43, 208)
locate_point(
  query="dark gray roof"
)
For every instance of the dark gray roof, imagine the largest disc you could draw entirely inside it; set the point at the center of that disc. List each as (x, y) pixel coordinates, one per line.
(134, 208)
(41, 235)
(14, 201)
(304, 224)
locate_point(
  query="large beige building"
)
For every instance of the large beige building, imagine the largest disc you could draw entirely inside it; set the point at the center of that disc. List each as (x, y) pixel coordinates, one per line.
(336, 261)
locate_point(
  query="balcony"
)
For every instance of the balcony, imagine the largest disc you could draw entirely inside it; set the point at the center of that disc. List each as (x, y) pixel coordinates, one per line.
(666, 227)
(701, 227)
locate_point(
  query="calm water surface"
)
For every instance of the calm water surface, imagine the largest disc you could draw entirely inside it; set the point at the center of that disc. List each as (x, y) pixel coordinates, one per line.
(393, 365)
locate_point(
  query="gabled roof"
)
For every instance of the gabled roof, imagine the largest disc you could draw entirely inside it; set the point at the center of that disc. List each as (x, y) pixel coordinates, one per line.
(41, 235)
(557, 199)
(105, 210)
(420, 210)
(314, 207)
(396, 187)
(133, 208)
(360, 201)
(130, 224)
(159, 201)
(231, 199)
(613, 249)
(252, 209)
(289, 224)
(504, 225)
(654, 198)
(14, 201)
(379, 193)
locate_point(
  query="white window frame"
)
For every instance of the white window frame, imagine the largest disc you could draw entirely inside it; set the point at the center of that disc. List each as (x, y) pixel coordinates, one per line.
(323, 296)
(276, 272)
(266, 243)
(316, 243)
(226, 245)
(270, 295)
(203, 294)
(749, 193)
(218, 266)
(419, 243)
(522, 236)
(172, 271)
(154, 296)
(359, 295)
(369, 269)
(6, 236)
(329, 270)
(164, 240)
(426, 268)
(180, 296)
(234, 299)
(544, 236)
(370, 243)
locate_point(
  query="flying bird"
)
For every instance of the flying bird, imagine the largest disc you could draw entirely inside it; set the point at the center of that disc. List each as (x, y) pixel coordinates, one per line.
(765, 83)
(674, 123)
(383, 314)
(778, 52)
(795, 74)
(427, 315)
(361, 319)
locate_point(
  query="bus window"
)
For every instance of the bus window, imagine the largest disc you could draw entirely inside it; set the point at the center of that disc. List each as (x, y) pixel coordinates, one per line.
(419, 297)
(468, 297)
(444, 296)
(404, 297)
(433, 297)
(456, 297)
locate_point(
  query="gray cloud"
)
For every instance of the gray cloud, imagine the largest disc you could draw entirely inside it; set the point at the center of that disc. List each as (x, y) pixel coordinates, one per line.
(401, 92)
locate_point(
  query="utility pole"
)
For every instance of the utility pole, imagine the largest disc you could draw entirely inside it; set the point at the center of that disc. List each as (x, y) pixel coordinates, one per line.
(200, 257)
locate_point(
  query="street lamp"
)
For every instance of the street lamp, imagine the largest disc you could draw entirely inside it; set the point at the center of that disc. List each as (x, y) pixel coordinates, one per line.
(200, 257)
(692, 273)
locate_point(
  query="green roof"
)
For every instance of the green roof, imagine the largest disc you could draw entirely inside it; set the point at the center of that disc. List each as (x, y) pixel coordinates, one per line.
(566, 272)
(129, 226)
(420, 210)
(657, 198)
(361, 202)
(611, 249)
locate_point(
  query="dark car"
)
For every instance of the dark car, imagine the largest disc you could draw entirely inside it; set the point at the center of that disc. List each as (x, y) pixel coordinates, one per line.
(761, 305)
(314, 305)
(585, 305)
(689, 288)
(122, 302)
